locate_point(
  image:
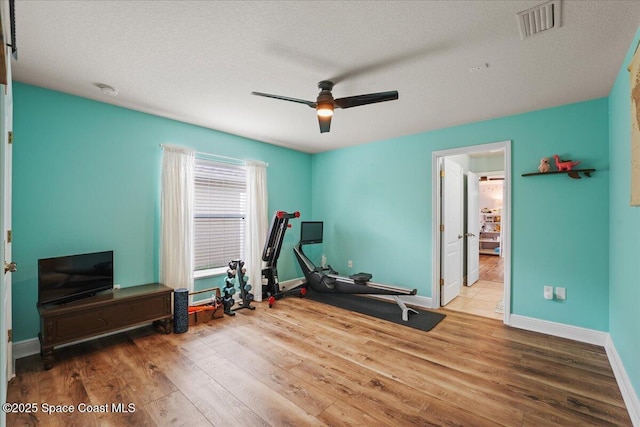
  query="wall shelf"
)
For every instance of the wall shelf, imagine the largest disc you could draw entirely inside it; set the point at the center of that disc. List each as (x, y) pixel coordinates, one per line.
(575, 173)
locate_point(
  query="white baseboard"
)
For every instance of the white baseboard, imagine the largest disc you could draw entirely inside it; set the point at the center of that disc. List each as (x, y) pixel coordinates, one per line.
(624, 383)
(561, 330)
(290, 284)
(26, 348)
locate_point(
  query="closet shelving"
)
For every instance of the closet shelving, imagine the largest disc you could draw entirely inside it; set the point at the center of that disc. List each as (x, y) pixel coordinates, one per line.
(490, 233)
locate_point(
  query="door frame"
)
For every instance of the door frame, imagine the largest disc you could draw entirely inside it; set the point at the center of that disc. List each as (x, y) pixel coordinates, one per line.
(7, 365)
(436, 157)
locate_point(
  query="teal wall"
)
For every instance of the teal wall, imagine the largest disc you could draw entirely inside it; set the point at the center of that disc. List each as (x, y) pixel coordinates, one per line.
(624, 237)
(375, 200)
(86, 178)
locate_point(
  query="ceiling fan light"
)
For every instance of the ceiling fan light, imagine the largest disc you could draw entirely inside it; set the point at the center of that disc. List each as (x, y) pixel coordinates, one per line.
(325, 109)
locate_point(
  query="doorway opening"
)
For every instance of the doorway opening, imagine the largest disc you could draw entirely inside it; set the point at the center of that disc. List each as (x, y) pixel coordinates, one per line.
(471, 244)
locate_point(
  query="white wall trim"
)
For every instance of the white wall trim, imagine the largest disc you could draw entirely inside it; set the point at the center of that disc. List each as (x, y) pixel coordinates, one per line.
(26, 348)
(290, 284)
(624, 383)
(561, 330)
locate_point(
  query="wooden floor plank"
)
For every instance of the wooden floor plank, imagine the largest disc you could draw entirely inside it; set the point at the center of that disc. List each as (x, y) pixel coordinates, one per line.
(212, 400)
(176, 410)
(301, 391)
(342, 413)
(306, 363)
(274, 408)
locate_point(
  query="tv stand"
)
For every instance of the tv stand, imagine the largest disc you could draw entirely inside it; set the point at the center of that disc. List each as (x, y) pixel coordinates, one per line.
(102, 313)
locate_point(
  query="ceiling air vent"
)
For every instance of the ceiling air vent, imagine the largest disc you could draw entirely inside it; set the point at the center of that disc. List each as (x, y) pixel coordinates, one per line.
(539, 19)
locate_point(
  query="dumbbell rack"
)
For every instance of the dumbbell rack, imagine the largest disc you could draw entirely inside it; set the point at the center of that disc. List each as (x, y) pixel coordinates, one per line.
(235, 275)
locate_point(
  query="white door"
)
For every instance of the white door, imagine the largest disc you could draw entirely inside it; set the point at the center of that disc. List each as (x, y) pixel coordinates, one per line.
(473, 228)
(7, 366)
(451, 219)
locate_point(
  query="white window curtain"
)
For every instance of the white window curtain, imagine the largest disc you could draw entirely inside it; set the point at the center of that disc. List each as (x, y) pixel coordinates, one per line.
(176, 217)
(257, 224)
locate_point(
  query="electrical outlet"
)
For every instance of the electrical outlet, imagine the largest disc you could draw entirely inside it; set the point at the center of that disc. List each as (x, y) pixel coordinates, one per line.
(548, 292)
(350, 264)
(116, 286)
(561, 293)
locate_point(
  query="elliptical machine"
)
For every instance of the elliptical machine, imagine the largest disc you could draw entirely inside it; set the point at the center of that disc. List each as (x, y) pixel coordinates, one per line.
(271, 291)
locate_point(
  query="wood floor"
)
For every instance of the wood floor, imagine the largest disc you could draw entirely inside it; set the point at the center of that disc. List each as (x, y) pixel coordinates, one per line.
(302, 363)
(491, 268)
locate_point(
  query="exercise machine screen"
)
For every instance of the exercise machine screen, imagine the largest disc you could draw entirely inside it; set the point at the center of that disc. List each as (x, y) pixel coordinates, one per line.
(310, 232)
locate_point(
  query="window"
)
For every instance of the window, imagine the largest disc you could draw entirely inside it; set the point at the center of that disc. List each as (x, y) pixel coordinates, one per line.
(219, 214)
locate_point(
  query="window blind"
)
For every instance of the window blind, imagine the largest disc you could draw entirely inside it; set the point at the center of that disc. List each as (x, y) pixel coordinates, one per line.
(219, 213)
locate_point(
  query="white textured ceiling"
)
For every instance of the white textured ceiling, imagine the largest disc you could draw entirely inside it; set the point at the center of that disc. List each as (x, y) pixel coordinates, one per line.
(198, 61)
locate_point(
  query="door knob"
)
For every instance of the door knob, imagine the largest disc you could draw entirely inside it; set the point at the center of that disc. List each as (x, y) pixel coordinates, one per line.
(459, 236)
(10, 267)
(470, 235)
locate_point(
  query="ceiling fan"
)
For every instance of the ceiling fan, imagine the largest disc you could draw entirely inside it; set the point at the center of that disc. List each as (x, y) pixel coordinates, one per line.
(325, 104)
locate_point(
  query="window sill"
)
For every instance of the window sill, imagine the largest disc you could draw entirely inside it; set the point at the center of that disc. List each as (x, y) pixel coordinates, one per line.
(211, 272)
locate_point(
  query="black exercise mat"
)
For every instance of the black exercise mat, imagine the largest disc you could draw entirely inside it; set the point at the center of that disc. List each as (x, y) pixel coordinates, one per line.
(386, 310)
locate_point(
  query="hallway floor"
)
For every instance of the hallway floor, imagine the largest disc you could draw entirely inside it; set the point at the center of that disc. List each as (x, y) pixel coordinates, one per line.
(485, 296)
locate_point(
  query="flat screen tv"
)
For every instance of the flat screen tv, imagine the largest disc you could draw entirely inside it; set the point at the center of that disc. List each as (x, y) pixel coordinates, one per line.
(67, 278)
(310, 232)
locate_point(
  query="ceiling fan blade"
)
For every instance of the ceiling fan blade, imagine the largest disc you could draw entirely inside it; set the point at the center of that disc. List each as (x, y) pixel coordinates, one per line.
(286, 98)
(325, 123)
(371, 98)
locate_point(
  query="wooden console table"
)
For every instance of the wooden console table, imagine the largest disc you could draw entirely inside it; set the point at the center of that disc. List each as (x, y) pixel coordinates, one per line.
(102, 313)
